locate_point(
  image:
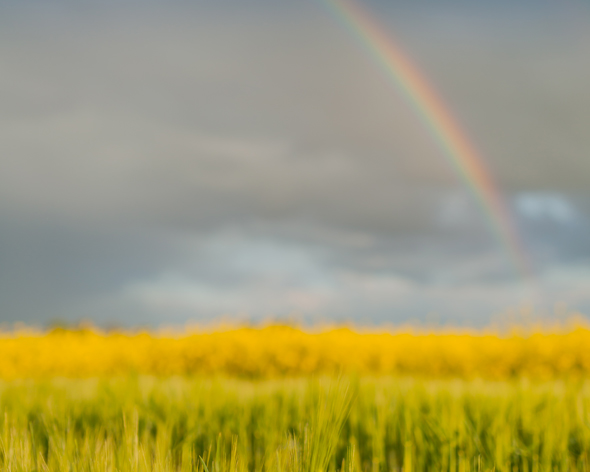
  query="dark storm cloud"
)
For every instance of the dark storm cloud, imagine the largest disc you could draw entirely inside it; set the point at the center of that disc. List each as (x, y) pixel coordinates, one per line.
(175, 161)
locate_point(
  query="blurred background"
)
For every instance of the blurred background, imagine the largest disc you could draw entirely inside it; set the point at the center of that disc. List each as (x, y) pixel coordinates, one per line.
(172, 161)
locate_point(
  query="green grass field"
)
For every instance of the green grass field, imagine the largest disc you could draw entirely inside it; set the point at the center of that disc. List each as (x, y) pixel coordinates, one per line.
(350, 424)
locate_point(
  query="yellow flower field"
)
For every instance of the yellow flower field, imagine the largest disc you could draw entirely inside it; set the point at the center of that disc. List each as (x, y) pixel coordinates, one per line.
(279, 351)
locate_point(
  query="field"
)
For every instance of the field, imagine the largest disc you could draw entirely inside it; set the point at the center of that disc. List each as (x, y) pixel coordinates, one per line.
(282, 351)
(330, 401)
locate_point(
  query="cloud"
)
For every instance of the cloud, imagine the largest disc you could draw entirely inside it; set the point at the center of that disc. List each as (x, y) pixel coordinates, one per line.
(168, 160)
(368, 298)
(550, 207)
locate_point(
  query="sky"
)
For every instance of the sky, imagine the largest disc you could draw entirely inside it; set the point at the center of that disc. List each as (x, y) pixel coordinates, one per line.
(171, 162)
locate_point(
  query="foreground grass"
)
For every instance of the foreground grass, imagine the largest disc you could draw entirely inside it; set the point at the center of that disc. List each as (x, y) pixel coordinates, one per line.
(144, 423)
(279, 351)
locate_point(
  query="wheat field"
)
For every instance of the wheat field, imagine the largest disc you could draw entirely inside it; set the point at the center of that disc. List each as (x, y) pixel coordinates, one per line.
(346, 424)
(280, 399)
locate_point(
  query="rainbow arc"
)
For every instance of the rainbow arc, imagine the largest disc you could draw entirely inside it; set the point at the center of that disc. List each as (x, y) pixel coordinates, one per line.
(436, 116)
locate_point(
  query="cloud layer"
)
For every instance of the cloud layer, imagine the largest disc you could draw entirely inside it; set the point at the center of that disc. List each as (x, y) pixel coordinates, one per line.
(165, 162)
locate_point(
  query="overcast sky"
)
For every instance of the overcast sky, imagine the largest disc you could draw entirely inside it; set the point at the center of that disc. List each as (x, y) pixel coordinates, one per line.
(172, 161)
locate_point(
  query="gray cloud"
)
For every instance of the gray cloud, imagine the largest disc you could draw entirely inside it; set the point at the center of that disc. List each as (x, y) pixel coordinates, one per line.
(171, 161)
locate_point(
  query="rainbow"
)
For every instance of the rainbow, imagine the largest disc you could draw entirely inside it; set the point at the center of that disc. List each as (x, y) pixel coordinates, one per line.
(467, 163)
